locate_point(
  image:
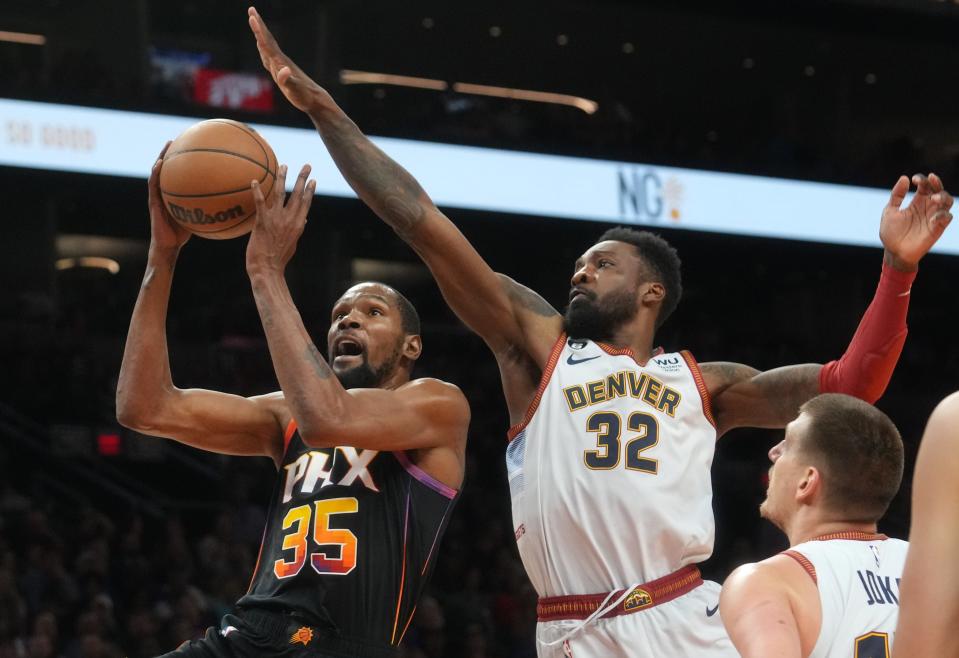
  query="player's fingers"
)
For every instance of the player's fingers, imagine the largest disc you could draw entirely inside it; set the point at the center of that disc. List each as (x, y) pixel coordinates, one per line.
(935, 182)
(308, 193)
(899, 191)
(165, 148)
(922, 184)
(296, 196)
(279, 187)
(941, 220)
(942, 199)
(259, 201)
(261, 31)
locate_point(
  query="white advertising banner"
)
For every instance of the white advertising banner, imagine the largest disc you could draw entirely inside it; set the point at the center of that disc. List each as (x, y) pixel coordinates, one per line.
(115, 143)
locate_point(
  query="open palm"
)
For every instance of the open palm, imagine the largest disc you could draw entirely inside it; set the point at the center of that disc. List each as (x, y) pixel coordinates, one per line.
(909, 233)
(298, 87)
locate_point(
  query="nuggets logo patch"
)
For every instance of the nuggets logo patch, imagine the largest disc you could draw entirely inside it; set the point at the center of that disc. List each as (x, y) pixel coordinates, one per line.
(637, 599)
(302, 636)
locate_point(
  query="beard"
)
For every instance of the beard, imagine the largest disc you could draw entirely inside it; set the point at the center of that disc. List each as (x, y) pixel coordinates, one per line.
(594, 319)
(366, 376)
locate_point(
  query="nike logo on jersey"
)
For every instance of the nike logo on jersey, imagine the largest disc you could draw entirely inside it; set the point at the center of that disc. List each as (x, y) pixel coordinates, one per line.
(711, 611)
(571, 361)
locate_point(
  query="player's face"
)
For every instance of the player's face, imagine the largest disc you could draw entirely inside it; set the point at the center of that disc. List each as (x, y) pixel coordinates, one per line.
(366, 337)
(605, 290)
(785, 473)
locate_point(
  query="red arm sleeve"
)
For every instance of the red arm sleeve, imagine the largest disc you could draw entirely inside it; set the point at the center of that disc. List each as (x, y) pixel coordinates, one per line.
(867, 365)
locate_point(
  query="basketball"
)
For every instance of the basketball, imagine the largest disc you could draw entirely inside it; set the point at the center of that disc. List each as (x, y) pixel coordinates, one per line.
(206, 176)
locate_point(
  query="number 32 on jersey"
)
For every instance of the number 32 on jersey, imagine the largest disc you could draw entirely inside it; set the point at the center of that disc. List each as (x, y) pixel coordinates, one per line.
(608, 427)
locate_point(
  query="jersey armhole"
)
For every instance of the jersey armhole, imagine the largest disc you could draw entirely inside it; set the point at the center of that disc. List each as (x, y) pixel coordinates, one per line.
(288, 435)
(513, 431)
(804, 563)
(700, 385)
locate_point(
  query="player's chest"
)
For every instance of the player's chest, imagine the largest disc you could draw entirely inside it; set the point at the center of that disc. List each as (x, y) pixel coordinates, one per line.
(308, 473)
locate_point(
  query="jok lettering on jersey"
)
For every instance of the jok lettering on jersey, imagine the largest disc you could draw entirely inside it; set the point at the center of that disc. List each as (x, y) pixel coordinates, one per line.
(343, 466)
(878, 588)
(625, 383)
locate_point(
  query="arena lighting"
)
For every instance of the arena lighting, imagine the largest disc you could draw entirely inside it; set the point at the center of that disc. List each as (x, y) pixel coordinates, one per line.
(348, 77)
(23, 37)
(94, 262)
(584, 104)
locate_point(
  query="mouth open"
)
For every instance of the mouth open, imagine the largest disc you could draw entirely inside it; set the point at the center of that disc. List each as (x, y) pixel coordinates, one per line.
(346, 350)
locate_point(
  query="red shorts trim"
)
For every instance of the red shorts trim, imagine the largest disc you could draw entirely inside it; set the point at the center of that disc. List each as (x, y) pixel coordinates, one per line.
(642, 597)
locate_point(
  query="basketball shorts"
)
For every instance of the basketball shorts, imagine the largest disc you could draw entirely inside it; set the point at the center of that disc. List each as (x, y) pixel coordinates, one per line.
(686, 627)
(256, 634)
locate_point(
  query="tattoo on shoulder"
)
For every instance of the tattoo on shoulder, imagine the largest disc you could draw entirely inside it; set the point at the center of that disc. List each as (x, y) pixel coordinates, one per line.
(727, 373)
(527, 299)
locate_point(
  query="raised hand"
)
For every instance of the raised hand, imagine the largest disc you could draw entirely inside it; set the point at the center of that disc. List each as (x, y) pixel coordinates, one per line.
(278, 226)
(296, 85)
(909, 233)
(164, 231)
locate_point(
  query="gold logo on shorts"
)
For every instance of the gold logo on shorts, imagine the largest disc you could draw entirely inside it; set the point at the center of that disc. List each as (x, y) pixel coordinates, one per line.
(637, 599)
(302, 636)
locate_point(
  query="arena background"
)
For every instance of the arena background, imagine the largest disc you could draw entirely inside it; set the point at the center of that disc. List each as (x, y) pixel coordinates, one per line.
(117, 544)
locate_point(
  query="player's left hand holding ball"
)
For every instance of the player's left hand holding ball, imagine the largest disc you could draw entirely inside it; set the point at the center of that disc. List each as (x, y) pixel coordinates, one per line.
(278, 225)
(909, 233)
(164, 232)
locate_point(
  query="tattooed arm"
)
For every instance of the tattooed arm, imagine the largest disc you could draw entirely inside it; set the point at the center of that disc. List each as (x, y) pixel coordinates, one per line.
(147, 400)
(505, 314)
(425, 414)
(745, 397)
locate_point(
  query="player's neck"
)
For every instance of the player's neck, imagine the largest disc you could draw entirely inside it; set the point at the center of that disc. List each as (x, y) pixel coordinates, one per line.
(638, 336)
(396, 379)
(803, 530)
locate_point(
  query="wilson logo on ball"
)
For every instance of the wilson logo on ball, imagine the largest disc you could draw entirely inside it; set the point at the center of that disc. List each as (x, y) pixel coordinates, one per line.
(198, 216)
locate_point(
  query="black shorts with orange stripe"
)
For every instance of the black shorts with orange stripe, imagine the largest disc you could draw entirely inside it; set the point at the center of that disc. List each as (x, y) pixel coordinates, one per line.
(257, 634)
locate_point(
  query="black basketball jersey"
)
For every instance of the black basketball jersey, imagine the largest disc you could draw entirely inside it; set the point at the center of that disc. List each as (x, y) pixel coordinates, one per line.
(350, 540)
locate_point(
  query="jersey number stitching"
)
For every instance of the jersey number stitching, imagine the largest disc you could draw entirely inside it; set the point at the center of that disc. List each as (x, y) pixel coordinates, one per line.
(608, 426)
(323, 535)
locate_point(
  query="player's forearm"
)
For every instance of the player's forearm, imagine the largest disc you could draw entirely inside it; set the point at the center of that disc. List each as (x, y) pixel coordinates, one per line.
(866, 367)
(316, 398)
(386, 187)
(145, 377)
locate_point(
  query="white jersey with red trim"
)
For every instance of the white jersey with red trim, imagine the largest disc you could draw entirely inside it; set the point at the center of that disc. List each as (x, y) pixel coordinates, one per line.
(858, 578)
(610, 470)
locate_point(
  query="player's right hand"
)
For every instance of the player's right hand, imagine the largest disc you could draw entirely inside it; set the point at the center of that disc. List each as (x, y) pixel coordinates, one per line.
(296, 85)
(164, 231)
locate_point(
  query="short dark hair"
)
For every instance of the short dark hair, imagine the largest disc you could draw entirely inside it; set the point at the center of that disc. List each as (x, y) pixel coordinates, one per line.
(860, 453)
(661, 260)
(409, 318)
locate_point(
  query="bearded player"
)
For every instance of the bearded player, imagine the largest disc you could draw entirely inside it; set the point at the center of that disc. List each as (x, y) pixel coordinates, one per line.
(835, 592)
(612, 443)
(368, 460)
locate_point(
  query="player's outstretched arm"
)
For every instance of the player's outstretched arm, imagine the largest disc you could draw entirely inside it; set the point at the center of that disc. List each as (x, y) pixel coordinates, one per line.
(422, 414)
(929, 592)
(758, 605)
(744, 397)
(505, 314)
(147, 400)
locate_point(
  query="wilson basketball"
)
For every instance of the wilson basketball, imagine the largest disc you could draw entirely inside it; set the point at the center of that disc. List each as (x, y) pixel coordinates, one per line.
(206, 176)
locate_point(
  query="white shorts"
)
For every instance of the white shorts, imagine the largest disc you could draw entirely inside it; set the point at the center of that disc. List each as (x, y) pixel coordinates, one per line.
(680, 628)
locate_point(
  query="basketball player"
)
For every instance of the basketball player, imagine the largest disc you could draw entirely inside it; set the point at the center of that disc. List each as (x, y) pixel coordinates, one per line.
(612, 443)
(369, 461)
(835, 592)
(930, 582)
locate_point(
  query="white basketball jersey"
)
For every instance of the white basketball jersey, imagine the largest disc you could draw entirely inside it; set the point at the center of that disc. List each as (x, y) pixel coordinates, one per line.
(610, 470)
(858, 580)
